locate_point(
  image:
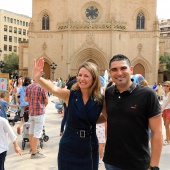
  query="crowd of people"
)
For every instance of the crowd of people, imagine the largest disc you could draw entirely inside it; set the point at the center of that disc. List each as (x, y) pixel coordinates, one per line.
(111, 125)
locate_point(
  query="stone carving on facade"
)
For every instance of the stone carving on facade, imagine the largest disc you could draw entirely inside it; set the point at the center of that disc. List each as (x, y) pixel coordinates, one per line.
(44, 47)
(82, 25)
(90, 39)
(139, 49)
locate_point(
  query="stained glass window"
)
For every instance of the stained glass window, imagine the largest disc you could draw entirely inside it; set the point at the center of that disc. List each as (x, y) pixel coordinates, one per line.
(92, 13)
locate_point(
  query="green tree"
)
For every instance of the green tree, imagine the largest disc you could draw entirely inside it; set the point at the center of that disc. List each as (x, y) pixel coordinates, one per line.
(11, 63)
(165, 58)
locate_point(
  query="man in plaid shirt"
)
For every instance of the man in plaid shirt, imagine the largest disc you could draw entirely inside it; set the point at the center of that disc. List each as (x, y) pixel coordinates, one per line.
(38, 100)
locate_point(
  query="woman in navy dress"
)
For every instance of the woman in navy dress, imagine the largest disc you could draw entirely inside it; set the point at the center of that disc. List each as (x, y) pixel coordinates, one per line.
(78, 148)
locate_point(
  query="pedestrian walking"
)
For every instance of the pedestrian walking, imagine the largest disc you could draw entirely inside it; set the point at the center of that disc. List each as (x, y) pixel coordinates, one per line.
(166, 111)
(38, 100)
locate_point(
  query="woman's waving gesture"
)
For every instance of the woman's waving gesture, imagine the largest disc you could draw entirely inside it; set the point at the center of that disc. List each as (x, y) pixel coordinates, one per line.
(38, 68)
(48, 85)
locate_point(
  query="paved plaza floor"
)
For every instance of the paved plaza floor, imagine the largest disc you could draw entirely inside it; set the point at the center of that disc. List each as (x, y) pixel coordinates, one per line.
(50, 148)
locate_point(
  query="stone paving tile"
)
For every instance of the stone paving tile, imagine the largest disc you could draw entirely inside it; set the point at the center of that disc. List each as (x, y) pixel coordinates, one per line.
(52, 128)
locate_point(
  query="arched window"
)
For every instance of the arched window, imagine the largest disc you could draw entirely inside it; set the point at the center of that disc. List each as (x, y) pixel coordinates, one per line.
(45, 22)
(140, 21)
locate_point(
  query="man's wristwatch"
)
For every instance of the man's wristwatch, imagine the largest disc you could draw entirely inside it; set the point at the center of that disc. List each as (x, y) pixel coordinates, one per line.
(153, 167)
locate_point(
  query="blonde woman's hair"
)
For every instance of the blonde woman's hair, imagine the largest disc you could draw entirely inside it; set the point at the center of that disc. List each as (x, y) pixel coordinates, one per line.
(94, 90)
(167, 82)
(144, 83)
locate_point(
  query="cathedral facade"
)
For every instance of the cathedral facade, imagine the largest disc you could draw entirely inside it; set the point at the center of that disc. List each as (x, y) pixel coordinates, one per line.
(70, 32)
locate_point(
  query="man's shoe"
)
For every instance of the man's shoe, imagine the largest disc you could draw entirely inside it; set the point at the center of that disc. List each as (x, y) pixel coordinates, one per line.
(38, 155)
(38, 150)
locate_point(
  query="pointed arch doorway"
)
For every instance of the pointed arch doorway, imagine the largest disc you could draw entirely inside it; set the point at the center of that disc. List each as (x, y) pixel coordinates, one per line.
(92, 55)
(46, 70)
(139, 69)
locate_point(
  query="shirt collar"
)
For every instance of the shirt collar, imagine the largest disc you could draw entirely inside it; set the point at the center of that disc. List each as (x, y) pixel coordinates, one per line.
(130, 90)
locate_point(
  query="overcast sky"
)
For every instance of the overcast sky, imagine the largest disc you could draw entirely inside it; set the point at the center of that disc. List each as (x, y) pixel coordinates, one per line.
(25, 7)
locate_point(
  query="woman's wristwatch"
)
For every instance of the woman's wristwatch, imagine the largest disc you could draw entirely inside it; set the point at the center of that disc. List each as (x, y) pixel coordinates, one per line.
(153, 167)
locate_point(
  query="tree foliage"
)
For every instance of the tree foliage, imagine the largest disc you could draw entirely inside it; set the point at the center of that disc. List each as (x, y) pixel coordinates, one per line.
(165, 58)
(11, 63)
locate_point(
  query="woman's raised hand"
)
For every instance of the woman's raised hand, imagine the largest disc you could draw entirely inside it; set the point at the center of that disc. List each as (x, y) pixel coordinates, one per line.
(38, 68)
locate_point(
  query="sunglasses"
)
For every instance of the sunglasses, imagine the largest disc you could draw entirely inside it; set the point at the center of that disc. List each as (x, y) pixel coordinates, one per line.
(166, 85)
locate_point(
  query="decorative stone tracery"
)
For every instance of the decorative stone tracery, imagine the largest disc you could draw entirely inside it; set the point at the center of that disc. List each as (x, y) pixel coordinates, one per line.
(78, 25)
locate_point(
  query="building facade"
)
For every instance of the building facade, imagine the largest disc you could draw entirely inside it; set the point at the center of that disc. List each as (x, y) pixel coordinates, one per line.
(164, 45)
(13, 29)
(71, 32)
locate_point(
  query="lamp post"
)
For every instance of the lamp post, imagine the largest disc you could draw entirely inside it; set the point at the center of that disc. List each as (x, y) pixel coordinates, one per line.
(2, 64)
(53, 66)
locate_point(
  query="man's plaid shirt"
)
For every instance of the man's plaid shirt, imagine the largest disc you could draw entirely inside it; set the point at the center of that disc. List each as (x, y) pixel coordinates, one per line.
(36, 96)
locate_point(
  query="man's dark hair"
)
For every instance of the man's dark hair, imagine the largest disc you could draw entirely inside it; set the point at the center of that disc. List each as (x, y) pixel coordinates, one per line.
(2, 95)
(27, 81)
(119, 57)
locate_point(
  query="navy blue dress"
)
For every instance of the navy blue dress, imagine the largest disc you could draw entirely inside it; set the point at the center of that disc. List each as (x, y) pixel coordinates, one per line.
(78, 148)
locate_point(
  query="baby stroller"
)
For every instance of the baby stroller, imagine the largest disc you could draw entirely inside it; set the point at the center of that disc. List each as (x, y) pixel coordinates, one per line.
(44, 137)
(13, 113)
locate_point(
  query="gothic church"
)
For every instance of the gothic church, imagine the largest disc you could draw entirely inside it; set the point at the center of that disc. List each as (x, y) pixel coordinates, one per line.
(70, 32)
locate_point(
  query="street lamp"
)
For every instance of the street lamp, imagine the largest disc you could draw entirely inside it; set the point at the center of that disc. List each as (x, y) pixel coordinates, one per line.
(53, 66)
